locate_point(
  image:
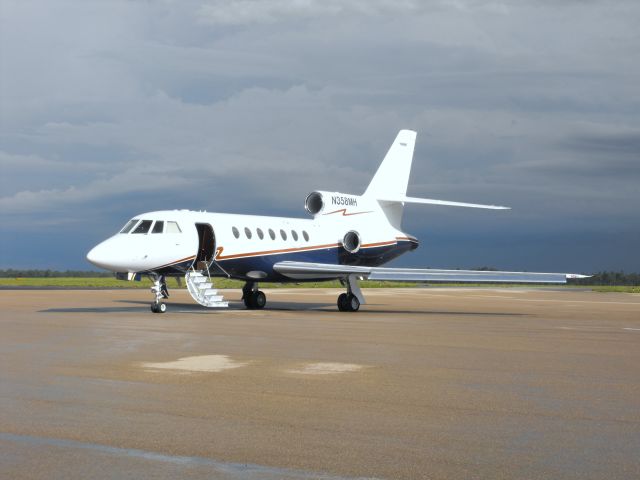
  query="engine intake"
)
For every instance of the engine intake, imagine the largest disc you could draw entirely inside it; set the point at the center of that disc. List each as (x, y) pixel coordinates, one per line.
(351, 241)
(314, 203)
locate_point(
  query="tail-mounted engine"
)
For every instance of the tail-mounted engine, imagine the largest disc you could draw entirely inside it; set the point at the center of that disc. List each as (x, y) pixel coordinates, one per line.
(326, 203)
(314, 203)
(351, 241)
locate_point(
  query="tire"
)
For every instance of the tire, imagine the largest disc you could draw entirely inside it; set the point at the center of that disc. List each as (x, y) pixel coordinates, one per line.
(354, 303)
(162, 307)
(154, 308)
(248, 301)
(343, 302)
(259, 300)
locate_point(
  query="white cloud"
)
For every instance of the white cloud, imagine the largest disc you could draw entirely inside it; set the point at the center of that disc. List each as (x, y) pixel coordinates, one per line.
(242, 12)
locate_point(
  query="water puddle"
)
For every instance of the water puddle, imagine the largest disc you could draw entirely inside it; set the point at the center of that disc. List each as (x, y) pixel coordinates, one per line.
(326, 368)
(201, 363)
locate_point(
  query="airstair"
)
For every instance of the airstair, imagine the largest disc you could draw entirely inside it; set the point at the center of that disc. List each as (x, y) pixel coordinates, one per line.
(201, 289)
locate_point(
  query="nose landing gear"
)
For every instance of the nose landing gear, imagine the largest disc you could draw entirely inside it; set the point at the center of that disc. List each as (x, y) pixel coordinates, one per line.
(158, 307)
(160, 291)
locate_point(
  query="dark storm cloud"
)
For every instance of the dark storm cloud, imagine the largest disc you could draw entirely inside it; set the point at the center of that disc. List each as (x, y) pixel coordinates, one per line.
(616, 145)
(112, 108)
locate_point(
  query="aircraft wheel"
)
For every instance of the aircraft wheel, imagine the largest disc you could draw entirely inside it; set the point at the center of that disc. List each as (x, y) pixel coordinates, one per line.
(248, 301)
(343, 302)
(259, 300)
(157, 307)
(353, 302)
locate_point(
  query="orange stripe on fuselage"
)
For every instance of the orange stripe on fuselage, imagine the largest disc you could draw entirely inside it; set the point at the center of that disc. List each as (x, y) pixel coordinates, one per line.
(220, 250)
(175, 262)
(271, 252)
(378, 244)
(411, 239)
(345, 214)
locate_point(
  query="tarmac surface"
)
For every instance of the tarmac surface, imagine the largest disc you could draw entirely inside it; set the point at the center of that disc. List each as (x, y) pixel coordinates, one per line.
(421, 383)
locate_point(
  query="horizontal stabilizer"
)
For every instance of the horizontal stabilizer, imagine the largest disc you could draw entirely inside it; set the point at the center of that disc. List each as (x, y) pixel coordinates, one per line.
(431, 201)
(305, 270)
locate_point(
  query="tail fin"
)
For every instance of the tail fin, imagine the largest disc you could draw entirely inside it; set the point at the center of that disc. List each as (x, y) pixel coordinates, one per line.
(389, 184)
(392, 177)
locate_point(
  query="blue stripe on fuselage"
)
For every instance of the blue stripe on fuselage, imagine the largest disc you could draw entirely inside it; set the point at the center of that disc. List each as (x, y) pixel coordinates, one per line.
(369, 257)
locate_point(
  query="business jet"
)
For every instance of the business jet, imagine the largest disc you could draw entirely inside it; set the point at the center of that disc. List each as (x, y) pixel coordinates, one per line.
(348, 238)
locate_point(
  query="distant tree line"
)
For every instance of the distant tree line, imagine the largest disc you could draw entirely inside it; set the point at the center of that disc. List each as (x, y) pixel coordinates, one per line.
(599, 278)
(19, 273)
(609, 278)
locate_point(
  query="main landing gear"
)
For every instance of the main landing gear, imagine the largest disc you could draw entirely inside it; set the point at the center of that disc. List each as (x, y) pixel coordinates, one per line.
(348, 302)
(160, 291)
(254, 299)
(351, 301)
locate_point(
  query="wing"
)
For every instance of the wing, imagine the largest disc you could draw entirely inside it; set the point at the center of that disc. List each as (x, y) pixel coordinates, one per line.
(308, 271)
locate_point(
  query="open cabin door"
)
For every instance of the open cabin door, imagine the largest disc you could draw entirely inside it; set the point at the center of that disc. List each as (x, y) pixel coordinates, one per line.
(206, 245)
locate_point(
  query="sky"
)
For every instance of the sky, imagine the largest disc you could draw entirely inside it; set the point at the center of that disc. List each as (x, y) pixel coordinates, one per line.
(113, 108)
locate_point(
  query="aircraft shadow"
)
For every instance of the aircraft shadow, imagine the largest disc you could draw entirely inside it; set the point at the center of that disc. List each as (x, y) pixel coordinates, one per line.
(92, 310)
(438, 312)
(143, 306)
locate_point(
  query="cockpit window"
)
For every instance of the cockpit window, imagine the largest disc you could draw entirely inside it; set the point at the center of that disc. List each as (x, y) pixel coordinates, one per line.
(127, 228)
(143, 226)
(172, 227)
(158, 227)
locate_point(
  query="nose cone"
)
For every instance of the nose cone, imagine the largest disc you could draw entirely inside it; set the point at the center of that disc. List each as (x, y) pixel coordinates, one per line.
(100, 256)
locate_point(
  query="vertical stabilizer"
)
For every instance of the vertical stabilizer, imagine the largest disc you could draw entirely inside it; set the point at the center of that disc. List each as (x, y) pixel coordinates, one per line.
(392, 177)
(391, 180)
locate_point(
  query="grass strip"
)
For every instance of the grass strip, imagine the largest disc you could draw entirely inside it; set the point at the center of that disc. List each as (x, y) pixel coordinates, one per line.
(222, 283)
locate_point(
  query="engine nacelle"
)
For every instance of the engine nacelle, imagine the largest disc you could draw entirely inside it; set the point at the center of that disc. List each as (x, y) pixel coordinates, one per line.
(351, 241)
(319, 201)
(314, 203)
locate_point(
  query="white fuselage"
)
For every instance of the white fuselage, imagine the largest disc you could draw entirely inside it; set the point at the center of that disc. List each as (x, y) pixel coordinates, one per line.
(247, 246)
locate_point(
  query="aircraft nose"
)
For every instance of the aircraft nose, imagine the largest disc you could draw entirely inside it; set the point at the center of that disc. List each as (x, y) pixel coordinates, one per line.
(99, 257)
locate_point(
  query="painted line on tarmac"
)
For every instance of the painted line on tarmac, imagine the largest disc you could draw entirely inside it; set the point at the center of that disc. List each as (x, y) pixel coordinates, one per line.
(555, 301)
(593, 327)
(326, 368)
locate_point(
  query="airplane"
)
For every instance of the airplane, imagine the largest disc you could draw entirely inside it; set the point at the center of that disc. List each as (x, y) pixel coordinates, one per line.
(348, 238)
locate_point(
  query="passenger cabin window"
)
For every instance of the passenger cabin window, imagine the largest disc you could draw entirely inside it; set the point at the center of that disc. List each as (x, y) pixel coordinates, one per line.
(173, 227)
(235, 231)
(294, 234)
(305, 235)
(283, 234)
(247, 232)
(130, 224)
(260, 233)
(143, 226)
(158, 227)
(272, 234)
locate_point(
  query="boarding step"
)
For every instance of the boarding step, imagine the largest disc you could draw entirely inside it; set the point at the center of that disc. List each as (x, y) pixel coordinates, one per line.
(199, 287)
